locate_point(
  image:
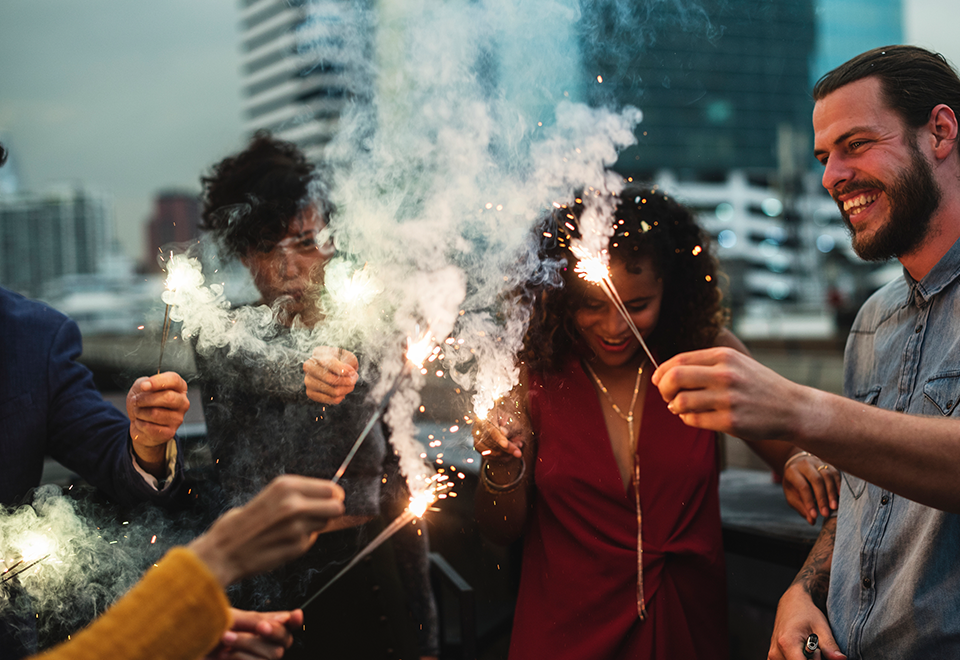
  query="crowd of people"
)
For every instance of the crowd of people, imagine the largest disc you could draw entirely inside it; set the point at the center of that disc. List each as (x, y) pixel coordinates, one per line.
(603, 461)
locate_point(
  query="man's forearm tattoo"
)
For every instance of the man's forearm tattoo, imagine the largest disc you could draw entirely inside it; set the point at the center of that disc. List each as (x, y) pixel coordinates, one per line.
(814, 577)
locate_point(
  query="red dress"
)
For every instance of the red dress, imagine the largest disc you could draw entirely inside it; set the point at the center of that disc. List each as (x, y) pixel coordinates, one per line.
(578, 582)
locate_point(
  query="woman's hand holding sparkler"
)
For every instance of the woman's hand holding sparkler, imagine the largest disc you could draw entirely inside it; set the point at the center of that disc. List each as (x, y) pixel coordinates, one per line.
(330, 374)
(279, 524)
(156, 406)
(505, 442)
(498, 442)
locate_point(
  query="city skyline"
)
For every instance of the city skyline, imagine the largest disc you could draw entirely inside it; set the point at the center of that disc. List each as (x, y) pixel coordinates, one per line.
(133, 100)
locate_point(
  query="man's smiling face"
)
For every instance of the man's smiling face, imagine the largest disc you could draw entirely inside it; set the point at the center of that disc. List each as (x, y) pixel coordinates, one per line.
(874, 170)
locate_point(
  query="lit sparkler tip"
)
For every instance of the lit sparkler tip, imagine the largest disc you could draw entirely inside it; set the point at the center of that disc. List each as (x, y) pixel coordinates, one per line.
(419, 351)
(592, 269)
(420, 502)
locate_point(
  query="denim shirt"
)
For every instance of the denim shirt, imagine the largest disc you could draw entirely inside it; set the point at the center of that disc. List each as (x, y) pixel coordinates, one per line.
(895, 578)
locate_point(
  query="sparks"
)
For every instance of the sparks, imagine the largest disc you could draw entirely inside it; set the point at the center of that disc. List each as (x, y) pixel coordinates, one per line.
(419, 505)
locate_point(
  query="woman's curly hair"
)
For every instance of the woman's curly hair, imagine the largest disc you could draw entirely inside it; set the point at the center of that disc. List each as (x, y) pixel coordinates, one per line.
(648, 224)
(250, 198)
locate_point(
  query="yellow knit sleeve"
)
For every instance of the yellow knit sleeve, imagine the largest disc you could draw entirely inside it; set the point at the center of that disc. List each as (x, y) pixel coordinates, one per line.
(177, 611)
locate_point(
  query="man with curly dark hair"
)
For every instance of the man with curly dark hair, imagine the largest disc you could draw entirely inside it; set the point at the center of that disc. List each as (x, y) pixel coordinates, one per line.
(268, 206)
(616, 499)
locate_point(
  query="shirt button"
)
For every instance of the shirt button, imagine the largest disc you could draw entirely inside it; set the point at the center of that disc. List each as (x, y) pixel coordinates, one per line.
(919, 328)
(867, 583)
(884, 499)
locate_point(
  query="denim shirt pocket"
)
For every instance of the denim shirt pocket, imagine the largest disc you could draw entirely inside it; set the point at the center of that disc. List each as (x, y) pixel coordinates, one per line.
(856, 485)
(941, 394)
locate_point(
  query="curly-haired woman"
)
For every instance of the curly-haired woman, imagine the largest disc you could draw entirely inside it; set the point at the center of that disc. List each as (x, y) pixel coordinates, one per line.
(616, 499)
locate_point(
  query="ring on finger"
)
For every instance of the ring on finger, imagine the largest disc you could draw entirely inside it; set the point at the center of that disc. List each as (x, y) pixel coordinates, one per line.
(822, 467)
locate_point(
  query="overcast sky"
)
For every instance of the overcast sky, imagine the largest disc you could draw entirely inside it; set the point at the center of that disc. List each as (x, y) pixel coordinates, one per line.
(134, 97)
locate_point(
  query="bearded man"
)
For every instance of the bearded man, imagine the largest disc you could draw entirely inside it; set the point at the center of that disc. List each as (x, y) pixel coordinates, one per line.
(883, 580)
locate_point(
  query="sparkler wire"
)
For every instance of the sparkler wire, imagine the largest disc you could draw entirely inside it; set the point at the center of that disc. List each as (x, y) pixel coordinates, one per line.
(404, 372)
(401, 520)
(25, 568)
(607, 285)
(163, 335)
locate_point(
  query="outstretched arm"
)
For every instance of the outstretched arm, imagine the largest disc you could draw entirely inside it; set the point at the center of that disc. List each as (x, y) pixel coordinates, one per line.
(178, 610)
(723, 390)
(809, 485)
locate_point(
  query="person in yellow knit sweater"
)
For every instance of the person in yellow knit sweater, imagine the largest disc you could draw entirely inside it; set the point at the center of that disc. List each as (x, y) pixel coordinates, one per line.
(179, 611)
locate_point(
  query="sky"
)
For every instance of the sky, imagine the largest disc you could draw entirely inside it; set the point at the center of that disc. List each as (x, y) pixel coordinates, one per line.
(136, 97)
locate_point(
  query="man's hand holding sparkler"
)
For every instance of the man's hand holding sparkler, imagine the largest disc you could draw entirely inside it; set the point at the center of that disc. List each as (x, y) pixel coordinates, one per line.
(330, 374)
(156, 406)
(724, 390)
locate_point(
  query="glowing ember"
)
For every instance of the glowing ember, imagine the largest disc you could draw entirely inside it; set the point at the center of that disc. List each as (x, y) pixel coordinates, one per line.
(419, 351)
(419, 505)
(592, 268)
(33, 545)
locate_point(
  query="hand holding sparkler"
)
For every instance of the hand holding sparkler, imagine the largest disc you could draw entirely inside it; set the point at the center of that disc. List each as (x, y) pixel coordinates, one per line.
(501, 426)
(330, 374)
(156, 406)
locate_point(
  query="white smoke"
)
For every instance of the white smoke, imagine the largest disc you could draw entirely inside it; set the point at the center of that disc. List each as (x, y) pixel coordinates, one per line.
(465, 130)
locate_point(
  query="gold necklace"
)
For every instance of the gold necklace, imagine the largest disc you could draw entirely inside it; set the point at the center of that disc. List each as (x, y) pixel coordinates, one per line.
(641, 606)
(633, 402)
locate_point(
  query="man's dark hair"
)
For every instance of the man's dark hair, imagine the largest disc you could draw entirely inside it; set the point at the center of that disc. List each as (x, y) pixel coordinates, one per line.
(250, 198)
(914, 80)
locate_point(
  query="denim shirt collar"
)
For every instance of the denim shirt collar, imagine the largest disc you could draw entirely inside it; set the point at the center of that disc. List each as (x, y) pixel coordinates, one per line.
(940, 276)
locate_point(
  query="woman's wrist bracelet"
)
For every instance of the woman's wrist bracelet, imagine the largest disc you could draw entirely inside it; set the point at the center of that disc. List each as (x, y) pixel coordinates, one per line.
(795, 457)
(493, 487)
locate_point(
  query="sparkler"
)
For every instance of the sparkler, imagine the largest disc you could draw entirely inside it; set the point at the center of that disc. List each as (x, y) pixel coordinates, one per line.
(418, 506)
(176, 274)
(415, 355)
(10, 573)
(593, 268)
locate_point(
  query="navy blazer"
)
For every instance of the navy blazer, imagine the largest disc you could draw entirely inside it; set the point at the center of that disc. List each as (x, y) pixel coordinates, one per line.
(49, 406)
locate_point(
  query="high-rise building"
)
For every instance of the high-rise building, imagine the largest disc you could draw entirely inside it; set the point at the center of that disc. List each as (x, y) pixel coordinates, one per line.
(175, 219)
(44, 236)
(296, 68)
(849, 27)
(715, 85)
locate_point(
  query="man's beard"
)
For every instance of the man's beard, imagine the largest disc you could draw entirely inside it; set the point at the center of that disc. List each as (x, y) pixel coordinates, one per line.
(913, 198)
